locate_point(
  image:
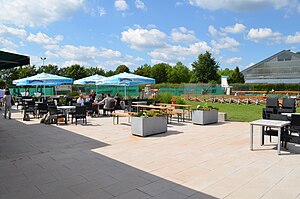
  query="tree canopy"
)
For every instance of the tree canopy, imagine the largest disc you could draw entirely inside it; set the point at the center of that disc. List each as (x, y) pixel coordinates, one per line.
(205, 70)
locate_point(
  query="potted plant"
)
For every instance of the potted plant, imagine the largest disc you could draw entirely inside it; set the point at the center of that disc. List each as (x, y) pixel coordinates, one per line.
(148, 123)
(204, 115)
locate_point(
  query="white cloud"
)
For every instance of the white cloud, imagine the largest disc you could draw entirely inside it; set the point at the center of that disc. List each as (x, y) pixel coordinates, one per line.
(212, 30)
(237, 28)
(109, 54)
(143, 38)
(33, 13)
(245, 5)
(73, 62)
(9, 31)
(8, 44)
(183, 35)
(121, 5)
(42, 38)
(262, 33)
(173, 54)
(233, 60)
(293, 39)
(225, 42)
(101, 11)
(140, 5)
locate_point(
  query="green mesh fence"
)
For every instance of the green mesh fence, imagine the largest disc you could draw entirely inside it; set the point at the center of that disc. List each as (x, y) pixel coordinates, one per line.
(198, 90)
(131, 91)
(48, 91)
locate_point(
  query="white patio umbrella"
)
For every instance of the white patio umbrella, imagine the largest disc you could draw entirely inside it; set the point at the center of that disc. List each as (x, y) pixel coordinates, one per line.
(126, 79)
(90, 80)
(43, 79)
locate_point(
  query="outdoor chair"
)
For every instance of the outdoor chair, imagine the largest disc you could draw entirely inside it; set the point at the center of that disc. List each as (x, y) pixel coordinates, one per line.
(128, 106)
(294, 130)
(89, 108)
(274, 132)
(288, 106)
(29, 107)
(272, 106)
(73, 111)
(80, 113)
(55, 114)
(42, 108)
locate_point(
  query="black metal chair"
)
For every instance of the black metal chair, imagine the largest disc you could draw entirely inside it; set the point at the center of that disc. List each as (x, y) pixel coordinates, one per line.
(89, 108)
(274, 132)
(42, 108)
(73, 111)
(80, 113)
(29, 107)
(55, 114)
(294, 130)
(272, 106)
(288, 106)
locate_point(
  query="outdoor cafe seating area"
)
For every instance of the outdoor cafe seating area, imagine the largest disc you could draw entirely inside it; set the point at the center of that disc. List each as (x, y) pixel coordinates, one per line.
(279, 120)
(62, 109)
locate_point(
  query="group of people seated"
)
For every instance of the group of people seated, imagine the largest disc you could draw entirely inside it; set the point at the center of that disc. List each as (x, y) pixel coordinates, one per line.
(101, 102)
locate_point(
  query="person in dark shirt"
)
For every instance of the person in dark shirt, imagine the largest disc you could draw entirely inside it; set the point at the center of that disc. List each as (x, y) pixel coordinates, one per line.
(117, 101)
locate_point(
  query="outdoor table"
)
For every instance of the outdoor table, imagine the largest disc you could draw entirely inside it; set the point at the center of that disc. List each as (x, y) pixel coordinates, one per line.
(65, 109)
(140, 102)
(268, 123)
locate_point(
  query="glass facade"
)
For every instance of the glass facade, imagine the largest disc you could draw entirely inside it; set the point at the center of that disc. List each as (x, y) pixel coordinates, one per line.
(284, 67)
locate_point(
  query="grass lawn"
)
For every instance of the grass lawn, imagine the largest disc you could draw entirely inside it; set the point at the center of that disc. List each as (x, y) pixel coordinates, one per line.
(237, 112)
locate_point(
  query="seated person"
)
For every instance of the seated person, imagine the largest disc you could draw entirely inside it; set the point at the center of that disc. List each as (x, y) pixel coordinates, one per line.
(80, 100)
(109, 103)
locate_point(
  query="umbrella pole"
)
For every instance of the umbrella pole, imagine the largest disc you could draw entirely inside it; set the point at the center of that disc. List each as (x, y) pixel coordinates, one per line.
(125, 92)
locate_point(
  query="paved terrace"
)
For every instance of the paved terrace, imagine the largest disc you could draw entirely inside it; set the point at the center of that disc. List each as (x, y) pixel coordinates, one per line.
(102, 161)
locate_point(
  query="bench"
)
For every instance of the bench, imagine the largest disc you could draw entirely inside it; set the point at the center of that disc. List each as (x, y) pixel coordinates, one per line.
(118, 115)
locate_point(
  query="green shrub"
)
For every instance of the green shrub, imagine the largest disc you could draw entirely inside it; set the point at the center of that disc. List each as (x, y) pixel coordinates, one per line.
(164, 97)
(180, 100)
(74, 94)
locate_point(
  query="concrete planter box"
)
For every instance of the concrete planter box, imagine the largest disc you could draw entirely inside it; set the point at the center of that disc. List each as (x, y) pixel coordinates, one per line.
(205, 117)
(148, 126)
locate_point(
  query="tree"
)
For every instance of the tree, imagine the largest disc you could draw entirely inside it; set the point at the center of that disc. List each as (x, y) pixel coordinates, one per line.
(179, 74)
(205, 68)
(225, 72)
(94, 71)
(26, 71)
(51, 69)
(122, 69)
(237, 76)
(144, 70)
(109, 73)
(160, 72)
(75, 72)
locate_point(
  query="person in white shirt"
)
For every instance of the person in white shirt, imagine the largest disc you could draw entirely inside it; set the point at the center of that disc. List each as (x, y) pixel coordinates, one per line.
(80, 100)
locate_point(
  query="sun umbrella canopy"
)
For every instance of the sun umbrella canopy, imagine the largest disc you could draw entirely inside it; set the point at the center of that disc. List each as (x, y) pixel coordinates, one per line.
(126, 79)
(90, 80)
(43, 79)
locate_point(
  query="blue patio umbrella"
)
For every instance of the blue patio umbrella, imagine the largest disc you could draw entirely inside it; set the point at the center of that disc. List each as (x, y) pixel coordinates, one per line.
(90, 80)
(126, 79)
(43, 79)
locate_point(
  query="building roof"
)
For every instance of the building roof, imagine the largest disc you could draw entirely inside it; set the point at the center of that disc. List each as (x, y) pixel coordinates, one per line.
(10, 60)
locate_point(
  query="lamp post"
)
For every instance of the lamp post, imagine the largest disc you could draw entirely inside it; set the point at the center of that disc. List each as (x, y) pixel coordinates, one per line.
(43, 59)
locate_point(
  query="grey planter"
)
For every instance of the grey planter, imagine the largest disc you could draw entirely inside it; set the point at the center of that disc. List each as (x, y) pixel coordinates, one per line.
(148, 126)
(205, 117)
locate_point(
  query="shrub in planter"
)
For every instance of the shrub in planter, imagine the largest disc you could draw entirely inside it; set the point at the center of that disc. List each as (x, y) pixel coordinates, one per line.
(148, 123)
(204, 115)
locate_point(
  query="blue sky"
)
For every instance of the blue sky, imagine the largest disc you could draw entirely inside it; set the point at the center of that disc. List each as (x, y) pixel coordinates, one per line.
(108, 33)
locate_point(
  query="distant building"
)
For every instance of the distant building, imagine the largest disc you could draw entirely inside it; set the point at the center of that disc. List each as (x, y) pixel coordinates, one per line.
(283, 67)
